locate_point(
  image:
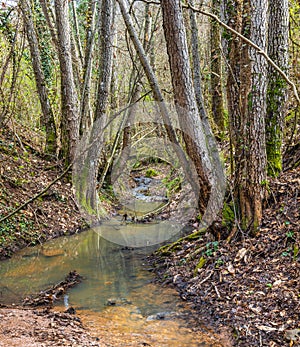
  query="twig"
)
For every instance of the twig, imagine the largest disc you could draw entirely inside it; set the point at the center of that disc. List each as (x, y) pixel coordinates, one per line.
(206, 278)
(217, 291)
(192, 255)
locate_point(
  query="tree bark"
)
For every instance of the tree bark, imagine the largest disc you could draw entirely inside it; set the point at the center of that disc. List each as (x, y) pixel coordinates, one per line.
(247, 109)
(216, 70)
(278, 44)
(48, 117)
(69, 100)
(184, 96)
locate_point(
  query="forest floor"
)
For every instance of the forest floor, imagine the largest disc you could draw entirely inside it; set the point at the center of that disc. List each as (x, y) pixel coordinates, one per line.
(251, 285)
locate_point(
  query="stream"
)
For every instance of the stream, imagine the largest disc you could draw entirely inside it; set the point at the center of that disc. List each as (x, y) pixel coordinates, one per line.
(117, 295)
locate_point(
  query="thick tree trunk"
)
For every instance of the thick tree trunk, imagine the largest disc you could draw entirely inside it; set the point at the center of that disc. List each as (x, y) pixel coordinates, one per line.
(278, 40)
(247, 109)
(69, 100)
(47, 117)
(90, 159)
(185, 100)
(218, 189)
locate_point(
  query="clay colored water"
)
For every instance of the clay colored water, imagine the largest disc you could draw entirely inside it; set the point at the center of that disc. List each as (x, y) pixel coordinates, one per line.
(116, 299)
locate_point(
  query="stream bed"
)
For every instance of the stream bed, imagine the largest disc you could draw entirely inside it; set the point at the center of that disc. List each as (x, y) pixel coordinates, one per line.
(117, 296)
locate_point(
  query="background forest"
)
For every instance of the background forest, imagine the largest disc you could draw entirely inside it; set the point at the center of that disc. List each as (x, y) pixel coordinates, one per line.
(73, 72)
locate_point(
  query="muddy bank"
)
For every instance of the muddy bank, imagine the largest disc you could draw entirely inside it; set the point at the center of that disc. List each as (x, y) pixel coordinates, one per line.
(41, 328)
(250, 285)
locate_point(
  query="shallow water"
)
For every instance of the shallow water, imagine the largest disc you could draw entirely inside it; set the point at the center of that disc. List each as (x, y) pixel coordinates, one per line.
(113, 274)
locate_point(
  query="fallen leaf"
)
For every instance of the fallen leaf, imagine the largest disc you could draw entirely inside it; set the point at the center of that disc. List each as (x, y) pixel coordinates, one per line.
(231, 269)
(292, 335)
(265, 328)
(240, 254)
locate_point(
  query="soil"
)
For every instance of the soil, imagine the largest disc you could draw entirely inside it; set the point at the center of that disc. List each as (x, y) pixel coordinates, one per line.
(249, 285)
(41, 328)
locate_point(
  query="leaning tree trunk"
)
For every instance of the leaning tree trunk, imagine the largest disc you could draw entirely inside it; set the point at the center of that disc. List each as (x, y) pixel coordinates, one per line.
(278, 39)
(88, 165)
(48, 117)
(247, 109)
(69, 100)
(158, 97)
(218, 189)
(185, 100)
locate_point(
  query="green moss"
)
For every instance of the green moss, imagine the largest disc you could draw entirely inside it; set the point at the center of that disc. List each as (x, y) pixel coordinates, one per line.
(50, 147)
(274, 119)
(201, 263)
(173, 185)
(228, 215)
(151, 173)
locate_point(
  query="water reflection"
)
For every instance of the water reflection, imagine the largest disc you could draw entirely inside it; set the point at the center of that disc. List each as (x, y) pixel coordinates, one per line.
(109, 270)
(138, 234)
(116, 291)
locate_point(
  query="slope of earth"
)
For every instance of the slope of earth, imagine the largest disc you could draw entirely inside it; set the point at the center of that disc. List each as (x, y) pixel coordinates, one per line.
(24, 173)
(251, 285)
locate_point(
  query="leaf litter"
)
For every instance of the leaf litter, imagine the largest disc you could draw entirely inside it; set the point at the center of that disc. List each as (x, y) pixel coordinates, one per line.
(251, 285)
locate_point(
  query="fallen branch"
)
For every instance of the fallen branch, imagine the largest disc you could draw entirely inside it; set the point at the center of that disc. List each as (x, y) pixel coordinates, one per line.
(48, 296)
(167, 248)
(37, 195)
(206, 278)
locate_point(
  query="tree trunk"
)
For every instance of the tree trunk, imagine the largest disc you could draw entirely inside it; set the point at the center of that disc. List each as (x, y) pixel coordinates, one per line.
(247, 109)
(185, 100)
(69, 100)
(218, 188)
(278, 39)
(87, 168)
(48, 117)
(49, 16)
(158, 97)
(216, 70)
(86, 114)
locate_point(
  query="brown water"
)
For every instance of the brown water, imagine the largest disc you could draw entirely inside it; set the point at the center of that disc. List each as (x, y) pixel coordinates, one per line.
(141, 311)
